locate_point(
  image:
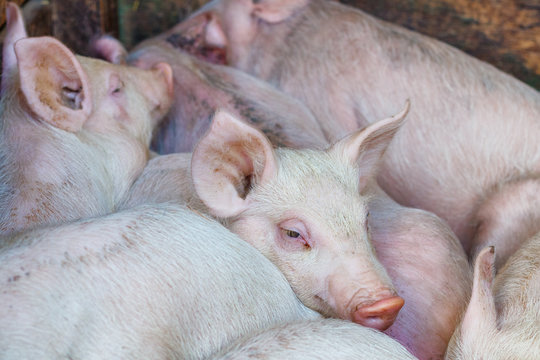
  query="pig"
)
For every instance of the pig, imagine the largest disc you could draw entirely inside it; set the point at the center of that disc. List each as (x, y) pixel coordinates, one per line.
(502, 320)
(469, 151)
(74, 131)
(201, 88)
(316, 339)
(294, 205)
(151, 282)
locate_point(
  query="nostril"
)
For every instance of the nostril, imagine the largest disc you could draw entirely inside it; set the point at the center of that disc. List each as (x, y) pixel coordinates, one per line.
(379, 315)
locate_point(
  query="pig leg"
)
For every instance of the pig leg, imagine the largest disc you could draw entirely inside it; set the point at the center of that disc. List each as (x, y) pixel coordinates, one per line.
(430, 270)
(508, 217)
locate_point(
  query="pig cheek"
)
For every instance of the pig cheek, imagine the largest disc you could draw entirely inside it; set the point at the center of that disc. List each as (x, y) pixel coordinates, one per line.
(255, 231)
(305, 273)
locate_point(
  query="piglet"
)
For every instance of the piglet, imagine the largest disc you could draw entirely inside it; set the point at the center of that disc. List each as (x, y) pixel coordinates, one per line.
(74, 131)
(152, 282)
(299, 206)
(469, 151)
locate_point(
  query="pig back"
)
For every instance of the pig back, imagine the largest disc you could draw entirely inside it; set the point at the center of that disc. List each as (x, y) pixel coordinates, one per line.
(201, 88)
(151, 282)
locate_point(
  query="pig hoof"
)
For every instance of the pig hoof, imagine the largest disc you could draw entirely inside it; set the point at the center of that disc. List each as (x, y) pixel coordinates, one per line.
(379, 315)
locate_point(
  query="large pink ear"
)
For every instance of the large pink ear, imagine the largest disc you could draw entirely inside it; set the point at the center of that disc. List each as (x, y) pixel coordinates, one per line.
(53, 83)
(14, 31)
(481, 314)
(366, 147)
(227, 161)
(274, 11)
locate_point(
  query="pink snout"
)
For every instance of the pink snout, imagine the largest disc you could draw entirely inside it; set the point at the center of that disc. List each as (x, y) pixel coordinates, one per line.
(379, 315)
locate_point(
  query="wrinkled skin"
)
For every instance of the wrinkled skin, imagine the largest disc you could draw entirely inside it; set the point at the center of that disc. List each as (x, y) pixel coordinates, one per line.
(74, 131)
(153, 282)
(502, 320)
(421, 255)
(469, 151)
(316, 339)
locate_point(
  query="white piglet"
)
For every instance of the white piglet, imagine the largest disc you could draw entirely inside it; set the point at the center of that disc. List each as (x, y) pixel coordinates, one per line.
(153, 282)
(74, 131)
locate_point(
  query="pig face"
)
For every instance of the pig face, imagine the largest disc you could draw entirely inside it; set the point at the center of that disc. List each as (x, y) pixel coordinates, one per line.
(305, 211)
(87, 94)
(231, 26)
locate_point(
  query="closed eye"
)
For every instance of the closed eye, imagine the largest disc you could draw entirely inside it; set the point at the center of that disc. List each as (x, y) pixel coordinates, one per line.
(118, 88)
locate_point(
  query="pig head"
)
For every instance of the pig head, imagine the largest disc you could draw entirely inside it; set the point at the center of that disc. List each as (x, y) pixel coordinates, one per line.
(305, 210)
(74, 131)
(469, 151)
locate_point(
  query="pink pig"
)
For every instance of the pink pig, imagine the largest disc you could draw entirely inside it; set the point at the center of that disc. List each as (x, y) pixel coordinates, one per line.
(75, 131)
(469, 151)
(317, 215)
(152, 282)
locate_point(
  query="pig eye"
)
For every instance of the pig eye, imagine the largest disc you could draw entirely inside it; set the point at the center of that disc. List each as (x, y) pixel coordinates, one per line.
(292, 233)
(296, 237)
(115, 85)
(118, 88)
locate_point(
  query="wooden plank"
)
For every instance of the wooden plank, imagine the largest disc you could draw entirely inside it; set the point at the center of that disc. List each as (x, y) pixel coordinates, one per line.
(140, 19)
(76, 22)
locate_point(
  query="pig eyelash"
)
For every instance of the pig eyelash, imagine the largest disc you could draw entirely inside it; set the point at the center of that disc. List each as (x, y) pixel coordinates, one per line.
(367, 221)
(296, 236)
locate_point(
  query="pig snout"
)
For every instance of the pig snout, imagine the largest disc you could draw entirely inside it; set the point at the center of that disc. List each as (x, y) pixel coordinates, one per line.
(379, 315)
(371, 302)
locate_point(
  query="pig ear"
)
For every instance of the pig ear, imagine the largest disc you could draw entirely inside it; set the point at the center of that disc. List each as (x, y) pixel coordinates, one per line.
(227, 161)
(53, 83)
(14, 31)
(366, 147)
(481, 314)
(213, 32)
(274, 11)
(110, 49)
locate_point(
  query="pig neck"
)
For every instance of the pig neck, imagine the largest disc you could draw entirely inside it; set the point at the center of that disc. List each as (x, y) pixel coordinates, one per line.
(50, 176)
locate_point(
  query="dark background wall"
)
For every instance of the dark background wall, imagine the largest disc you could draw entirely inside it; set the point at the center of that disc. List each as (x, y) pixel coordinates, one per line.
(505, 33)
